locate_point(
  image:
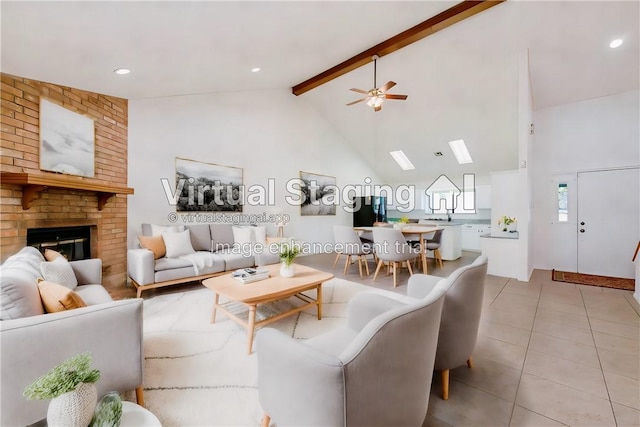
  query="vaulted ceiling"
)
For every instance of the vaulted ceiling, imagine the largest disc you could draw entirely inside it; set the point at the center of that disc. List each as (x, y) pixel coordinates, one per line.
(462, 82)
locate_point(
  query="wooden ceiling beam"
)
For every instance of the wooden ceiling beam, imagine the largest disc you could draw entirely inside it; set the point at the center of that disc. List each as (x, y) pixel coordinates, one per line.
(432, 25)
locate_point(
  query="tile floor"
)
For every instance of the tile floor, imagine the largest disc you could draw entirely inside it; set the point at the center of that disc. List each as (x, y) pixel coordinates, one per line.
(548, 353)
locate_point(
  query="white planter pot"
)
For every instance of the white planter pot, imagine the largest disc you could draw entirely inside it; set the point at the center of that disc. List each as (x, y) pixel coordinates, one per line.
(73, 409)
(287, 270)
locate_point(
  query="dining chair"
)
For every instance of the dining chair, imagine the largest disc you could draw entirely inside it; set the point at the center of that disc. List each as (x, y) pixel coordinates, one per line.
(348, 243)
(391, 247)
(433, 244)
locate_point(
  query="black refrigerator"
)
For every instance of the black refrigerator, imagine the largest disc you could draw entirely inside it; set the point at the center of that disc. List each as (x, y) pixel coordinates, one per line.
(369, 209)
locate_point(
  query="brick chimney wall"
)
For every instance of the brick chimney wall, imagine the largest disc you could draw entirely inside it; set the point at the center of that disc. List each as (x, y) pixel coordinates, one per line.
(59, 207)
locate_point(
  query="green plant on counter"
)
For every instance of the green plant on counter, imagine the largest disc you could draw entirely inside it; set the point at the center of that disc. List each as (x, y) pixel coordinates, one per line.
(63, 378)
(288, 252)
(505, 221)
(404, 220)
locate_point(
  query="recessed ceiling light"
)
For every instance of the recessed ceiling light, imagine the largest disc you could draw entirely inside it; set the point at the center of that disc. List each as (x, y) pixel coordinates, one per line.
(122, 71)
(459, 149)
(402, 160)
(616, 43)
(255, 70)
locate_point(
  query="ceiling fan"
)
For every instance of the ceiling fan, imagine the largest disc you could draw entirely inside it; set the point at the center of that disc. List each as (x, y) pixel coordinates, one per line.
(376, 96)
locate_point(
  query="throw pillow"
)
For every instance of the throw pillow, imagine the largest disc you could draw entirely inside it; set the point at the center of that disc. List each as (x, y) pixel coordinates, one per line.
(178, 244)
(50, 254)
(221, 236)
(259, 234)
(159, 230)
(59, 271)
(153, 243)
(242, 235)
(57, 298)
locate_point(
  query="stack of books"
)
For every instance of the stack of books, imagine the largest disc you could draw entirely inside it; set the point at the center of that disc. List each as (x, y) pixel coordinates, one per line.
(248, 275)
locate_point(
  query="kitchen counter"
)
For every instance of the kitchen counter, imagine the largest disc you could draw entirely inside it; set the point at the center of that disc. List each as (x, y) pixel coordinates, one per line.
(455, 222)
(501, 235)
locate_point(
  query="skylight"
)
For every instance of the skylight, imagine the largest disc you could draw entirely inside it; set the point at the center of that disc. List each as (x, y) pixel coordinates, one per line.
(402, 160)
(459, 149)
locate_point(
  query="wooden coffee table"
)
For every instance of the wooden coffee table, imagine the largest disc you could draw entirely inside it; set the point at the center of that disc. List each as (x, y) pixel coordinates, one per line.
(263, 291)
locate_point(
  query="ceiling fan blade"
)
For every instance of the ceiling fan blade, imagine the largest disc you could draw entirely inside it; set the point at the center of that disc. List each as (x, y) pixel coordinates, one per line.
(359, 100)
(393, 96)
(360, 91)
(378, 108)
(387, 86)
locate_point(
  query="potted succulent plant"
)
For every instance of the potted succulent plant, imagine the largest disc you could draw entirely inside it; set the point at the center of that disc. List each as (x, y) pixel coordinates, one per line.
(70, 386)
(288, 252)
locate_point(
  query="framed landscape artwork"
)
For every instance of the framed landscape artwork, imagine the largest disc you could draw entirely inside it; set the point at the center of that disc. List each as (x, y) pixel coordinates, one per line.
(67, 141)
(319, 192)
(208, 187)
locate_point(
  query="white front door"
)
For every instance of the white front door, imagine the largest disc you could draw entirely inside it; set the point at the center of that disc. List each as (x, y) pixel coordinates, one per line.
(608, 230)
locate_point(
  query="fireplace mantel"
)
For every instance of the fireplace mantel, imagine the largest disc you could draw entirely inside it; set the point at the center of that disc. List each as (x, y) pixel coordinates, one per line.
(34, 183)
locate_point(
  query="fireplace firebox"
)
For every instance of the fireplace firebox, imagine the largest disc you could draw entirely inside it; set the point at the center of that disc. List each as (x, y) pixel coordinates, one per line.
(72, 242)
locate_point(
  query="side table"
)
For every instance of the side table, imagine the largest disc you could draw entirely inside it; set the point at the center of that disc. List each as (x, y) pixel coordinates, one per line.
(132, 416)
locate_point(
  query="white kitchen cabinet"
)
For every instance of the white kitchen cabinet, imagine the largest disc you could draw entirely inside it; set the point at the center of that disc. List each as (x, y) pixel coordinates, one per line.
(471, 236)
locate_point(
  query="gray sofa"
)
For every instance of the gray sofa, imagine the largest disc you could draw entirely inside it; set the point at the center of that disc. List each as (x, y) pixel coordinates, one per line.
(34, 342)
(215, 239)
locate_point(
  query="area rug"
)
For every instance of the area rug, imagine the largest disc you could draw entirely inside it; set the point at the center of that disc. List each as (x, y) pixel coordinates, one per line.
(593, 280)
(199, 374)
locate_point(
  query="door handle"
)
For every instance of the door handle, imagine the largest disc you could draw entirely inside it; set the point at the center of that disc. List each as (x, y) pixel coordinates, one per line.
(582, 230)
(582, 223)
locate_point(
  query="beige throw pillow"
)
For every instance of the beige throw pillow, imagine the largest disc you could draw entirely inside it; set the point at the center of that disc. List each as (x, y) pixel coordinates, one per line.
(57, 298)
(155, 244)
(50, 254)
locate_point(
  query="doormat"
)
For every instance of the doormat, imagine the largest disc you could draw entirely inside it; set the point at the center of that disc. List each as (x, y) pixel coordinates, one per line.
(593, 280)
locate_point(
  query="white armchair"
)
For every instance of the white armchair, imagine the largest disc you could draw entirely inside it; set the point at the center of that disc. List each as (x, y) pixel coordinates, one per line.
(369, 372)
(460, 314)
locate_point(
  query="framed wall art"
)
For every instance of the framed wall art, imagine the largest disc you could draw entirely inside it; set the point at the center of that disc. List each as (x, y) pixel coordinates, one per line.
(320, 193)
(67, 141)
(208, 187)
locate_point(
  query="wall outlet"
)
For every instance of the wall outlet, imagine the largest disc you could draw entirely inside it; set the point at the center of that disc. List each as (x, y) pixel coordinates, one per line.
(523, 164)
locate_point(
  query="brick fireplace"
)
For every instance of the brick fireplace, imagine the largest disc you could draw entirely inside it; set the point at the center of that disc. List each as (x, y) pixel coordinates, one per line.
(64, 207)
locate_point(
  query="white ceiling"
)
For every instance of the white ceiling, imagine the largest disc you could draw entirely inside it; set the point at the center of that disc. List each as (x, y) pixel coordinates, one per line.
(461, 82)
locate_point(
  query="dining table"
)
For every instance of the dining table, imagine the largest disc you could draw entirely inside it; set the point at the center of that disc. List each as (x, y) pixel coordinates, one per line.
(413, 230)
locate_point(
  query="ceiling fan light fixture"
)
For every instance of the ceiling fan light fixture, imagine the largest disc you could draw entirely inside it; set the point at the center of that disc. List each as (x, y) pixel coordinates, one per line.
(402, 160)
(459, 149)
(375, 102)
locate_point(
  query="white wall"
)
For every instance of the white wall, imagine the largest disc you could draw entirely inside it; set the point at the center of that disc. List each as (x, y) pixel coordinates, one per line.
(594, 134)
(270, 134)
